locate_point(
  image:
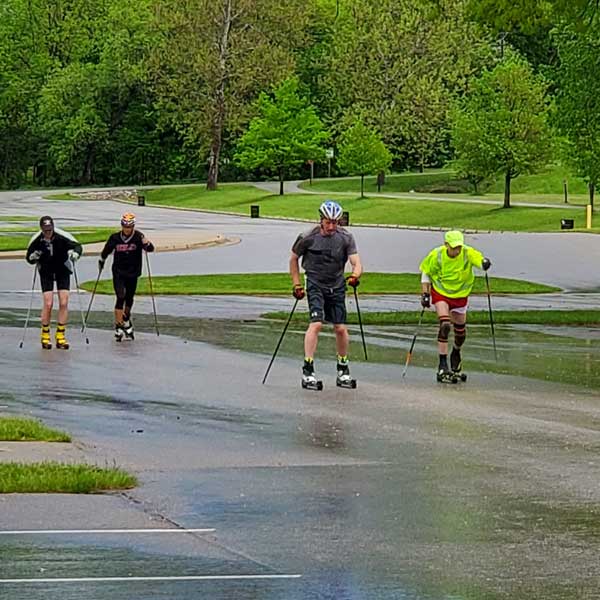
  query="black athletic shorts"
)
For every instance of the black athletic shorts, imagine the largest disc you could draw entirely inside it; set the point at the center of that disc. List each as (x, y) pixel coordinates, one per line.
(62, 278)
(125, 288)
(326, 304)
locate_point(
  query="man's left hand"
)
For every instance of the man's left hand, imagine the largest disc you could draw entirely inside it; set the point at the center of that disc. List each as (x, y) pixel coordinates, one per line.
(353, 281)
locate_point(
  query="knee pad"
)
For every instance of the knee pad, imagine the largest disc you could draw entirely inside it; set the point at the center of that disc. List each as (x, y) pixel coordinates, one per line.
(460, 334)
(119, 303)
(444, 330)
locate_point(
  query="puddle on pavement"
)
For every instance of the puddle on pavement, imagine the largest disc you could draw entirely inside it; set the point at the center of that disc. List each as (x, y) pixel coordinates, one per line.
(568, 355)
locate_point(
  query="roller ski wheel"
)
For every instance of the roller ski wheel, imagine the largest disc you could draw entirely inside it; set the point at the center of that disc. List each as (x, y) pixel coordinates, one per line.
(444, 376)
(315, 384)
(119, 333)
(128, 329)
(346, 383)
(460, 376)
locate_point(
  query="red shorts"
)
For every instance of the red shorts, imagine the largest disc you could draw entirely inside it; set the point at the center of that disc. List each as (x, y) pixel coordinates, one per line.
(453, 303)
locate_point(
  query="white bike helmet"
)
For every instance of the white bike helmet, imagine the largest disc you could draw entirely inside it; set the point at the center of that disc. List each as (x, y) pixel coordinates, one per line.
(330, 210)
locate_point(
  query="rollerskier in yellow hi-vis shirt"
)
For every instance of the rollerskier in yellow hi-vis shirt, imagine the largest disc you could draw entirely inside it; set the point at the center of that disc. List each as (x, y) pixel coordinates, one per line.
(447, 280)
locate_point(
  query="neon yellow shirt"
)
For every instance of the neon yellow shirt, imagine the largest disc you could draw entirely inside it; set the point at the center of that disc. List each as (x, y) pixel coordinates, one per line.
(452, 277)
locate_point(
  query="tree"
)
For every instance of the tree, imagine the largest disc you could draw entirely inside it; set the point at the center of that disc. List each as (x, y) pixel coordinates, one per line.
(501, 127)
(361, 152)
(578, 102)
(214, 58)
(287, 132)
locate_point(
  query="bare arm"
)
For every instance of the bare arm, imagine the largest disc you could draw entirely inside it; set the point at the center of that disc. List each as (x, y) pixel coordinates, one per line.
(295, 270)
(356, 265)
(425, 284)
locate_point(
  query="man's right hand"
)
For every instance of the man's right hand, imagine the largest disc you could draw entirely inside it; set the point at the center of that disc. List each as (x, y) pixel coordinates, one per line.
(425, 300)
(298, 292)
(35, 256)
(101, 264)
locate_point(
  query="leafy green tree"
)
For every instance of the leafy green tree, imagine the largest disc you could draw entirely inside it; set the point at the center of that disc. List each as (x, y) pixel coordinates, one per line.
(286, 133)
(214, 58)
(578, 102)
(502, 125)
(361, 152)
(399, 65)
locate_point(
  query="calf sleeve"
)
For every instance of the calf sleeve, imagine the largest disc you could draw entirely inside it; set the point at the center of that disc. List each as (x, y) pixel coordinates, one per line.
(444, 330)
(460, 334)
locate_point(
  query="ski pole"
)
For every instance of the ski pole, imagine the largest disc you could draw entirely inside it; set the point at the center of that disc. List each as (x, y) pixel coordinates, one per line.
(412, 344)
(362, 333)
(152, 294)
(83, 323)
(87, 314)
(30, 304)
(280, 340)
(489, 297)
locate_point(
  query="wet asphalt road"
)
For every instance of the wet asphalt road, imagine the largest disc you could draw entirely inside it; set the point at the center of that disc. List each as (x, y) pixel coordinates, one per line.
(399, 489)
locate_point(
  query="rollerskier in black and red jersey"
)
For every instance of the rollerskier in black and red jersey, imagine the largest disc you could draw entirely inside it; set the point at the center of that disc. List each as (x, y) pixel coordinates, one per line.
(127, 246)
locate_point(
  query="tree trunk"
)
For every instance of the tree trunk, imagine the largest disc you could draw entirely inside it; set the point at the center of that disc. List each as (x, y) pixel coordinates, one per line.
(362, 186)
(507, 179)
(219, 109)
(281, 181)
(592, 189)
(88, 167)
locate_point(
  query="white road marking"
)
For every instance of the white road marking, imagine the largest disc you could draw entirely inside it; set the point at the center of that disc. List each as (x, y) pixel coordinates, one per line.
(166, 578)
(94, 531)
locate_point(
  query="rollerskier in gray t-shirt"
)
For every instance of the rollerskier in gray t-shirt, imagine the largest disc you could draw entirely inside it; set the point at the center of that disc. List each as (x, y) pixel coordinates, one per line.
(325, 250)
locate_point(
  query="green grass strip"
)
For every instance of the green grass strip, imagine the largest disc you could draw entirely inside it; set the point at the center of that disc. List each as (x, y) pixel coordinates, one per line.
(18, 429)
(52, 477)
(475, 317)
(264, 284)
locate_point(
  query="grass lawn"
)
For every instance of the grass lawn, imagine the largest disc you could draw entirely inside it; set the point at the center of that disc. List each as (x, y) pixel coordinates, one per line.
(264, 284)
(385, 211)
(544, 187)
(51, 477)
(18, 218)
(17, 429)
(475, 317)
(85, 235)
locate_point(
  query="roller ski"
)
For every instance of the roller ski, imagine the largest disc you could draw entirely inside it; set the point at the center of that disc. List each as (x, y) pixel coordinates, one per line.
(309, 381)
(45, 338)
(61, 340)
(128, 329)
(119, 332)
(343, 378)
(456, 365)
(444, 374)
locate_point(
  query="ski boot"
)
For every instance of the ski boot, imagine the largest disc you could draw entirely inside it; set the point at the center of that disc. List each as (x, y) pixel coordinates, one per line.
(343, 379)
(128, 329)
(61, 340)
(309, 381)
(45, 337)
(119, 331)
(456, 365)
(446, 376)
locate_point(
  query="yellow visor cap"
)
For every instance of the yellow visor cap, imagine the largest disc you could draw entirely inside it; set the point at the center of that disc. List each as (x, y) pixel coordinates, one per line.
(454, 239)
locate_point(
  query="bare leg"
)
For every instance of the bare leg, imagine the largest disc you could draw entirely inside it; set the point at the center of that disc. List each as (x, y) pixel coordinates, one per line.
(46, 315)
(311, 338)
(63, 306)
(342, 339)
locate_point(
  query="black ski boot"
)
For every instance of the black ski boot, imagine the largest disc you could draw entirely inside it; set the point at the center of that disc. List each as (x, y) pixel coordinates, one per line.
(444, 374)
(119, 331)
(309, 381)
(128, 328)
(456, 365)
(343, 379)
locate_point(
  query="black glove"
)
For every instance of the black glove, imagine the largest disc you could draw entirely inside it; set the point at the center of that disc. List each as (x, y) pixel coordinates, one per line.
(149, 247)
(353, 281)
(35, 256)
(425, 300)
(101, 264)
(298, 292)
(486, 264)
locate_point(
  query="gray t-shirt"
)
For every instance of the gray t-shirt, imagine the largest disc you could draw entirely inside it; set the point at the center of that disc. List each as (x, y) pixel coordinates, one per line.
(324, 256)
